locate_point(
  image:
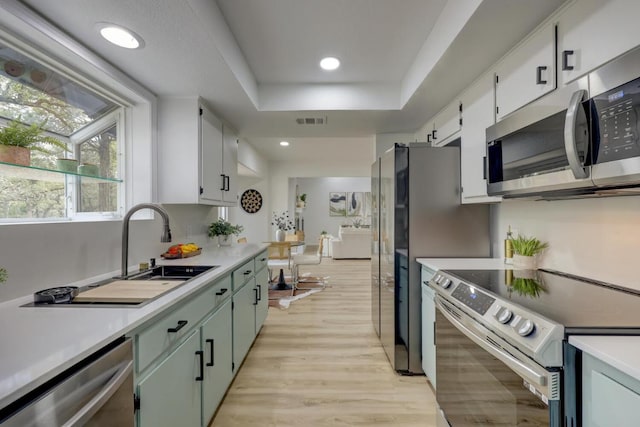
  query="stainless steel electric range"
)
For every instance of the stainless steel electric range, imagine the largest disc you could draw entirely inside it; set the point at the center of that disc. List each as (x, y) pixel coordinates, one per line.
(501, 342)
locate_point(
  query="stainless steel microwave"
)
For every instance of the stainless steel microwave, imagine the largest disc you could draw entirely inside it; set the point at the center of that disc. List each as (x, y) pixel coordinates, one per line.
(581, 139)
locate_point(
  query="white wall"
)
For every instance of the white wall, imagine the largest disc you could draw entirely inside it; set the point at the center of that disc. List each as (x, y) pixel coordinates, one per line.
(343, 164)
(40, 256)
(595, 238)
(316, 212)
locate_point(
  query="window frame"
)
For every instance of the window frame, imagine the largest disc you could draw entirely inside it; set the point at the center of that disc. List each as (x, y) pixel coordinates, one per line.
(34, 36)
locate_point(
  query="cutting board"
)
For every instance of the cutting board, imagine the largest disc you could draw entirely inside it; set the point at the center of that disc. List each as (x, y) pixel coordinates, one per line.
(127, 291)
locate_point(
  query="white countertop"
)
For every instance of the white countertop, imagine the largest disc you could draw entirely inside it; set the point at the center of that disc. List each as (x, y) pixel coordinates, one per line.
(621, 352)
(464, 263)
(40, 342)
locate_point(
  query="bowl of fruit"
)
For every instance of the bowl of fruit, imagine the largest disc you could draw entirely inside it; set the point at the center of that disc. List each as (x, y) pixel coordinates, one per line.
(182, 250)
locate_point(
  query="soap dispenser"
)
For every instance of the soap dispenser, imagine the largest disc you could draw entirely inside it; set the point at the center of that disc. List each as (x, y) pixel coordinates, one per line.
(508, 248)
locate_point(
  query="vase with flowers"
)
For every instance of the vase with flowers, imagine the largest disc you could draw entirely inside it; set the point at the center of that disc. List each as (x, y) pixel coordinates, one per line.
(282, 224)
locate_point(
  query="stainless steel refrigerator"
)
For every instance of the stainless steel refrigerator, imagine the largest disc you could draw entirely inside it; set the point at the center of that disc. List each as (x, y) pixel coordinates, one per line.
(416, 214)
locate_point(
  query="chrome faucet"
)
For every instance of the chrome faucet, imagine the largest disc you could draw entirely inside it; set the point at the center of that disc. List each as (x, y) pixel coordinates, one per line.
(166, 235)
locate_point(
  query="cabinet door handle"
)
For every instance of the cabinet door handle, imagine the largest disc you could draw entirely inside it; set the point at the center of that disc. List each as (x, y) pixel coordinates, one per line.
(181, 324)
(200, 355)
(259, 292)
(222, 291)
(429, 137)
(539, 71)
(255, 301)
(223, 181)
(226, 180)
(484, 167)
(434, 334)
(433, 132)
(263, 259)
(565, 60)
(211, 347)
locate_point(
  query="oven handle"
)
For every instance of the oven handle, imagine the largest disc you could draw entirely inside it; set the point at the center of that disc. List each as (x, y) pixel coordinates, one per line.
(81, 417)
(519, 367)
(578, 169)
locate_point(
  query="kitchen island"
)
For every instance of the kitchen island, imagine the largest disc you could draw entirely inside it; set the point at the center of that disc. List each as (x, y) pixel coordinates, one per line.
(39, 343)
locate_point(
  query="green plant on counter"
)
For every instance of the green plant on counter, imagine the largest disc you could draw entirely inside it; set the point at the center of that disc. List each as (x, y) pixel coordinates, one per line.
(224, 228)
(303, 197)
(19, 135)
(3, 275)
(527, 246)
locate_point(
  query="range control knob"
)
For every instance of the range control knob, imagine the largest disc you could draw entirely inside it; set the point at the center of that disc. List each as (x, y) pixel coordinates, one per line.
(437, 278)
(526, 328)
(504, 315)
(446, 283)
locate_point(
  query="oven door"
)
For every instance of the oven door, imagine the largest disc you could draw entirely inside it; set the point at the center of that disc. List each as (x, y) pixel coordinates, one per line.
(481, 384)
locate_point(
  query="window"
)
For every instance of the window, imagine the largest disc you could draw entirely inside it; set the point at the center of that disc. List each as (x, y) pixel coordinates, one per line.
(91, 126)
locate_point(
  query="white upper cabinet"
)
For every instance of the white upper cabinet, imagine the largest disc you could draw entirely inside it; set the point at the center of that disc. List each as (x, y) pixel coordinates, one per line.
(592, 32)
(527, 73)
(477, 115)
(197, 156)
(446, 125)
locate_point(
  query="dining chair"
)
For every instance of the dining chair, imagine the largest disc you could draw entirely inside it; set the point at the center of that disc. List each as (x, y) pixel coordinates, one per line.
(278, 257)
(301, 259)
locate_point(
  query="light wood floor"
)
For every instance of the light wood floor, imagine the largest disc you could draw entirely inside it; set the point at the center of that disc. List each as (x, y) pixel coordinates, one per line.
(320, 363)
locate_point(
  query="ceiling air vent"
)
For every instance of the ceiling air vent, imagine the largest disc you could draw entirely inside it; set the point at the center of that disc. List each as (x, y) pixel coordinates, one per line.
(311, 120)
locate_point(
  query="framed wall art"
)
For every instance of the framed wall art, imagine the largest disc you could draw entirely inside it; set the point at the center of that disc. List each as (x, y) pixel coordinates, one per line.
(337, 204)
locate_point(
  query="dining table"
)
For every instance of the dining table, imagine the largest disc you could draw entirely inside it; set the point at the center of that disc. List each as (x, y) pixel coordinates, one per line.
(283, 247)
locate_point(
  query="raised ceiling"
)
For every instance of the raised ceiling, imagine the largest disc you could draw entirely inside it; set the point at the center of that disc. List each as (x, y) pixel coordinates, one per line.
(255, 61)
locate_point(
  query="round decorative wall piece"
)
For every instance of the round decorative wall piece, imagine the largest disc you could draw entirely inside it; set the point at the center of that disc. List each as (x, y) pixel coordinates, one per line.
(251, 201)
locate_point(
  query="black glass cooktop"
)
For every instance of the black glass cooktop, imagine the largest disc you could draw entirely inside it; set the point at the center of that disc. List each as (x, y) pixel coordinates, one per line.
(581, 305)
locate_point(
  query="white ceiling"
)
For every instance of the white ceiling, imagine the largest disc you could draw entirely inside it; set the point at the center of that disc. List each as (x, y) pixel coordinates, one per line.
(255, 61)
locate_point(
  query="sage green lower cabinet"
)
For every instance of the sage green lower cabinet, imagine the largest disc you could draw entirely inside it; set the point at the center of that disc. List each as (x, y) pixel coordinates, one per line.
(609, 396)
(187, 356)
(244, 329)
(170, 394)
(218, 371)
(262, 306)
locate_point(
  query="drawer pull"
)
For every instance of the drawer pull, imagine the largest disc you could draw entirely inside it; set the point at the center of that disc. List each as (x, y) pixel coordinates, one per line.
(181, 324)
(247, 272)
(200, 354)
(210, 342)
(222, 291)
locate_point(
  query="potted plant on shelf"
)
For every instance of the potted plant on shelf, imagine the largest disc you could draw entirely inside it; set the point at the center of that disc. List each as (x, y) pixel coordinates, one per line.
(526, 250)
(302, 200)
(282, 224)
(223, 230)
(17, 140)
(3, 275)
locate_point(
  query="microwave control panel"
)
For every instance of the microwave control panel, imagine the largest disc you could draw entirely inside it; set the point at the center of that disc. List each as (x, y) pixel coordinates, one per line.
(616, 115)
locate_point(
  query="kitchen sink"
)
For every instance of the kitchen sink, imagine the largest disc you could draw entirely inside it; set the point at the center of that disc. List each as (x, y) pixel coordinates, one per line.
(171, 272)
(136, 289)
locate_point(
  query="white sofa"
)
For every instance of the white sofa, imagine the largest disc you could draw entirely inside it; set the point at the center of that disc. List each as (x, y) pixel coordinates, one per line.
(352, 243)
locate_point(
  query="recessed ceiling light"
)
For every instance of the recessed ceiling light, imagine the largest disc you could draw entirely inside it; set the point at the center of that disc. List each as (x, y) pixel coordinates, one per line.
(284, 143)
(329, 63)
(119, 35)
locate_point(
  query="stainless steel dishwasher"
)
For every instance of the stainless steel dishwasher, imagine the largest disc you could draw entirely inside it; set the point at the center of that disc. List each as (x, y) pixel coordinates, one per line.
(96, 392)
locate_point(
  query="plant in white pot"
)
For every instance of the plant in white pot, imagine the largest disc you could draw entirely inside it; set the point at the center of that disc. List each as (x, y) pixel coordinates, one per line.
(282, 224)
(526, 250)
(223, 230)
(18, 140)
